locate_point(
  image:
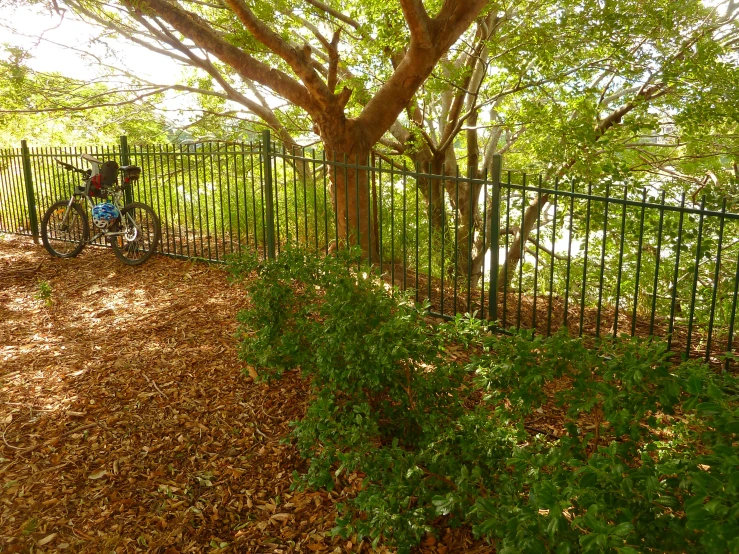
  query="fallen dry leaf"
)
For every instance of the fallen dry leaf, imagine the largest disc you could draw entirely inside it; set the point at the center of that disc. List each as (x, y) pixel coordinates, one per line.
(47, 539)
(92, 290)
(99, 474)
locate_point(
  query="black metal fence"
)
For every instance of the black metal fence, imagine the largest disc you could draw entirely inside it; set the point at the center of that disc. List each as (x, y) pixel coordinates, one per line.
(599, 258)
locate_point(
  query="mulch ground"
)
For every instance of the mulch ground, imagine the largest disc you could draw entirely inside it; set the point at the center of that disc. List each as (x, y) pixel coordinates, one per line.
(128, 423)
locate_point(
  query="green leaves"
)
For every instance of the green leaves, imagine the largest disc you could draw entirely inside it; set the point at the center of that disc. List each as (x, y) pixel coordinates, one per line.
(644, 457)
(629, 491)
(50, 94)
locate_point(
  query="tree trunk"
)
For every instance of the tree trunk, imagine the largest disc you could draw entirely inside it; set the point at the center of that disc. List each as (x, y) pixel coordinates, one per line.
(469, 199)
(441, 182)
(483, 244)
(348, 159)
(429, 185)
(430, 188)
(514, 252)
(351, 192)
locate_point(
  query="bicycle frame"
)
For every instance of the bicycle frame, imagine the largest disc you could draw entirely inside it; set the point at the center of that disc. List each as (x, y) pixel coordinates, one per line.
(117, 196)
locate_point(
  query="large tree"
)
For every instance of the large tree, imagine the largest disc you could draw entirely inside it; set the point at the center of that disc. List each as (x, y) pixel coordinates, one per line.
(265, 46)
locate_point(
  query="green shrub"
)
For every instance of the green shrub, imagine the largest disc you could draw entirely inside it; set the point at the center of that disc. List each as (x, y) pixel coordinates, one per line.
(644, 458)
(657, 471)
(277, 329)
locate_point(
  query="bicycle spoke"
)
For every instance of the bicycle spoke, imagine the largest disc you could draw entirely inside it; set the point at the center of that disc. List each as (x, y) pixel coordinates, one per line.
(140, 234)
(65, 230)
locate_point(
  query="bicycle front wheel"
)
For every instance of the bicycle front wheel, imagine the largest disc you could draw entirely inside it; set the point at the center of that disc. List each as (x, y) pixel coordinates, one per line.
(64, 229)
(140, 236)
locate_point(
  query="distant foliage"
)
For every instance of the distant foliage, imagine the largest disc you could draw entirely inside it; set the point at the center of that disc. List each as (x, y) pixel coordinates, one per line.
(44, 108)
(642, 455)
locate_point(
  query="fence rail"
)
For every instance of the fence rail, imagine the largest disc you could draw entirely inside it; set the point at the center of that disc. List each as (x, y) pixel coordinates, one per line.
(598, 259)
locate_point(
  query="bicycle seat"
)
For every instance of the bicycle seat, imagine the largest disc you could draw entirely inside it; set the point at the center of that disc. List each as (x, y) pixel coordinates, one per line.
(127, 167)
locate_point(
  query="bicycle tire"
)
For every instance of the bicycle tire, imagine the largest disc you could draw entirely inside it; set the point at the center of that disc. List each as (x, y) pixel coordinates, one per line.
(146, 234)
(75, 231)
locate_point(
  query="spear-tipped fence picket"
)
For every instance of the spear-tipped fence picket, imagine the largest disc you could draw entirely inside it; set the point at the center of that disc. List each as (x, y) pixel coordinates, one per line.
(601, 258)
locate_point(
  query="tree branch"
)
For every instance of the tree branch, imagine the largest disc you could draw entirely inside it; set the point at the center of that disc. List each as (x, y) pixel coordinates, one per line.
(128, 34)
(197, 30)
(333, 61)
(546, 250)
(395, 94)
(261, 110)
(298, 61)
(450, 129)
(81, 108)
(418, 22)
(335, 13)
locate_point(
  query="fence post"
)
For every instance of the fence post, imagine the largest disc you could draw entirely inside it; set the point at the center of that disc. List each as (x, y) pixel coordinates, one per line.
(126, 160)
(269, 198)
(497, 169)
(28, 178)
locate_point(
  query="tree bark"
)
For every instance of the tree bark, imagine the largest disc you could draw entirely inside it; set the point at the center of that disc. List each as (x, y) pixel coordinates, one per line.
(350, 185)
(351, 194)
(508, 268)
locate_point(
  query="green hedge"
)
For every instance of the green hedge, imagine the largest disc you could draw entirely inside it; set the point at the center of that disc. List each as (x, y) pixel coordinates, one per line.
(641, 454)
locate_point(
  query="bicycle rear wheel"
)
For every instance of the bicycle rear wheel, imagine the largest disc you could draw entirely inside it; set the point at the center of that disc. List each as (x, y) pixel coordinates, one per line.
(64, 229)
(141, 233)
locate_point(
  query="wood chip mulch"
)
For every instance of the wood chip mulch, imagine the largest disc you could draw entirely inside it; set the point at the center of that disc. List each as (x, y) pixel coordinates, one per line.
(128, 423)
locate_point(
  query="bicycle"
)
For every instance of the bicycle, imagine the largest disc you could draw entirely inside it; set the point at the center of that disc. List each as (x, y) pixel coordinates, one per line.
(133, 230)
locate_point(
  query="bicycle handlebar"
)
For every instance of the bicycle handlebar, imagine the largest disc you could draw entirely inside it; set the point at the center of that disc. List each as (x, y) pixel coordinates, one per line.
(70, 167)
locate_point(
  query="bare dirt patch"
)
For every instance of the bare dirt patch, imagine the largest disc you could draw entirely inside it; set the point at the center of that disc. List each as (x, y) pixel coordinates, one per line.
(127, 423)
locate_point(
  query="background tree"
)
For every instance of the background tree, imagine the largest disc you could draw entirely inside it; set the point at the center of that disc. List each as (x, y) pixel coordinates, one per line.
(581, 89)
(53, 108)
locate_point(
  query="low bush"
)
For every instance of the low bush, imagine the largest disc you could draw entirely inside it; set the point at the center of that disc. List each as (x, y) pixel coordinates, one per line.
(539, 445)
(647, 461)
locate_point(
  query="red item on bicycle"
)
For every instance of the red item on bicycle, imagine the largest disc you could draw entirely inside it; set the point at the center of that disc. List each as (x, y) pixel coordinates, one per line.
(96, 183)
